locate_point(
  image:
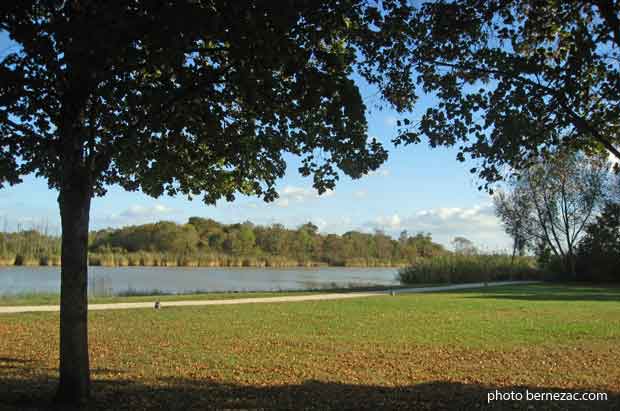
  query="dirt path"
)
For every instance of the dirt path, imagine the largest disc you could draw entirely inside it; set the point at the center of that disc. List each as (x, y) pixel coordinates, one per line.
(312, 297)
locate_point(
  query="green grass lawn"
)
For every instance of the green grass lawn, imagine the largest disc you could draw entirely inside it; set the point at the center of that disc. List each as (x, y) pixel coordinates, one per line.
(418, 351)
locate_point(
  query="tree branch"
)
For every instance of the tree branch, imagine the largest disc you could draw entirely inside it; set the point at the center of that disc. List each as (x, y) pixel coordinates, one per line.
(579, 122)
(608, 10)
(20, 127)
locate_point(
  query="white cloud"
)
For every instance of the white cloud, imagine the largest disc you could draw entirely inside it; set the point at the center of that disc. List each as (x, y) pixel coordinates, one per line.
(296, 193)
(139, 211)
(360, 194)
(137, 214)
(282, 202)
(319, 222)
(292, 194)
(384, 172)
(392, 222)
(477, 223)
(337, 225)
(390, 120)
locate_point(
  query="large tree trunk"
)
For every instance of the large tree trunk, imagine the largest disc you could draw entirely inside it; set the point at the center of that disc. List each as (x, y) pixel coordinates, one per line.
(74, 202)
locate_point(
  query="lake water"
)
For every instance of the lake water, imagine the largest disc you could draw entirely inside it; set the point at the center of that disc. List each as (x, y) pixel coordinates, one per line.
(177, 280)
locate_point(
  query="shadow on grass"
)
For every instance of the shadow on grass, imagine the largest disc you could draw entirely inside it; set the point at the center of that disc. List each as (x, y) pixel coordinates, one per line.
(545, 292)
(179, 394)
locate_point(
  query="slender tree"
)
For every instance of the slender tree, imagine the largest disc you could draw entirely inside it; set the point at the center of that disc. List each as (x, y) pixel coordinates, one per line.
(191, 97)
(514, 210)
(553, 201)
(464, 246)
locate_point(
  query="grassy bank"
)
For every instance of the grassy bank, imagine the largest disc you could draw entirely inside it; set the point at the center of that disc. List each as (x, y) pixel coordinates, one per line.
(423, 351)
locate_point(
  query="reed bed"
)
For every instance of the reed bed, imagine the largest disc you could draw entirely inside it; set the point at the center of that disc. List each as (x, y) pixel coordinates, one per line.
(457, 268)
(151, 259)
(452, 268)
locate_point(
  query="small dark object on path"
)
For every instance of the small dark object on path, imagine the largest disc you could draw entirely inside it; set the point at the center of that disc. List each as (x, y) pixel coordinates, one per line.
(157, 305)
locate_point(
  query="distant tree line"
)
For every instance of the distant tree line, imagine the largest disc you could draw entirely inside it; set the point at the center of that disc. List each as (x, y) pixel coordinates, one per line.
(206, 242)
(301, 246)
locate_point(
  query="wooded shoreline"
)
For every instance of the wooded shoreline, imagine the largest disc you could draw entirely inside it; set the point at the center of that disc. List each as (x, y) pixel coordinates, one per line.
(143, 259)
(207, 243)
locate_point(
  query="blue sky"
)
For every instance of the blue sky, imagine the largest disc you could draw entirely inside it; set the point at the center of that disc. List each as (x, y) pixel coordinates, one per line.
(417, 189)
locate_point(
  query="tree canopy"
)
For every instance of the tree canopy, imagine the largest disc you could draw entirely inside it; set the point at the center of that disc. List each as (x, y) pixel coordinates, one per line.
(185, 97)
(191, 97)
(200, 237)
(513, 79)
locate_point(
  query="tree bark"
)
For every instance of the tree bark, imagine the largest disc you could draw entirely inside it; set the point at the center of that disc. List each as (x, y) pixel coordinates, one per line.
(74, 201)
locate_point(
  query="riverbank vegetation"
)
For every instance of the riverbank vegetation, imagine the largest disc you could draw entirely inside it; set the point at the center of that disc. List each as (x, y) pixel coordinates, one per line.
(208, 243)
(436, 351)
(29, 248)
(459, 268)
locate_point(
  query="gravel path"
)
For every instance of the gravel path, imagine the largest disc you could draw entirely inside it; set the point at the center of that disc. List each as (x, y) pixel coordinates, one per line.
(312, 297)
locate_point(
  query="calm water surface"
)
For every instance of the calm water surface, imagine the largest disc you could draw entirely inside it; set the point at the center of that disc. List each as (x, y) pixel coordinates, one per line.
(178, 279)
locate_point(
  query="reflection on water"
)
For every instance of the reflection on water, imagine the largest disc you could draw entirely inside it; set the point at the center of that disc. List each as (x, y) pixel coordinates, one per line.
(178, 279)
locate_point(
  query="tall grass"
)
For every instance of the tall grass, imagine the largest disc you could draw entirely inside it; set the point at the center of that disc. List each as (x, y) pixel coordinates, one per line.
(373, 262)
(155, 259)
(469, 268)
(31, 248)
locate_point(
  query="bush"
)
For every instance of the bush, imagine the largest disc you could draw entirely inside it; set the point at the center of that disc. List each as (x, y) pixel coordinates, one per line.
(599, 250)
(553, 269)
(469, 268)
